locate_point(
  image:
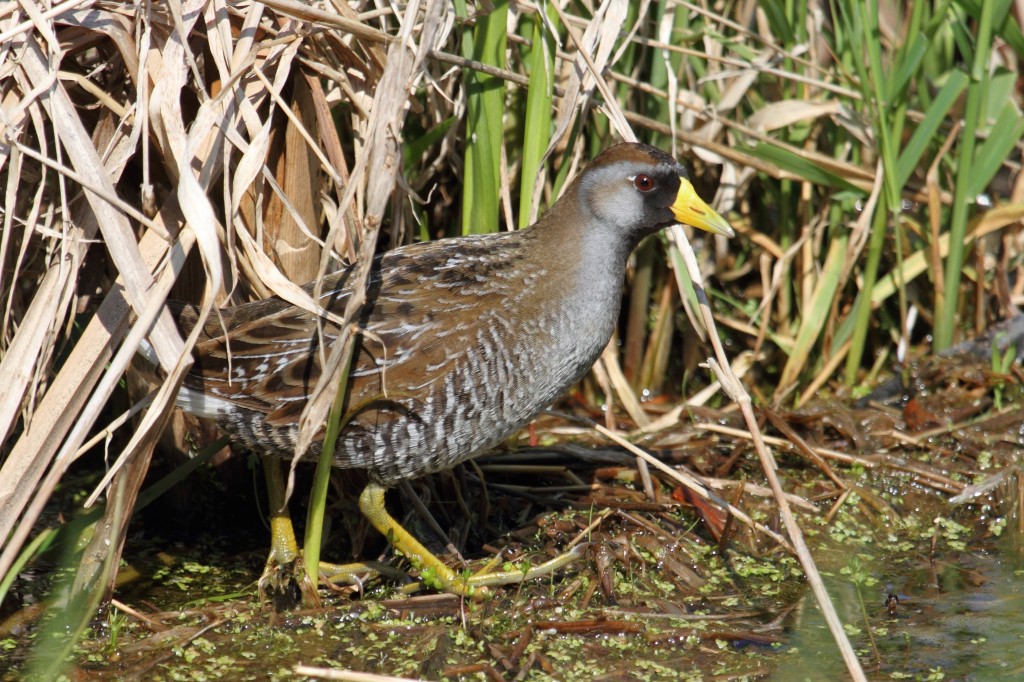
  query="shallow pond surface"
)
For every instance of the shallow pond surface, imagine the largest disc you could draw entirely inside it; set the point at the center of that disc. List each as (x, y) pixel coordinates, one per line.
(958, 617)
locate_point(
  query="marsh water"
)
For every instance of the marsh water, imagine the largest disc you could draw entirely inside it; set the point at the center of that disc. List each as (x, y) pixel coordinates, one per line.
(915, 530)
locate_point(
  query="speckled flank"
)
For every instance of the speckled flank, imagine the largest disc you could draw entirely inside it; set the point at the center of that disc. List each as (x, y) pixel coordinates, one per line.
(467, 339)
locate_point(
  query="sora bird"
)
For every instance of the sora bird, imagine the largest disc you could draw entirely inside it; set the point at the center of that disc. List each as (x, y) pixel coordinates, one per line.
(466, 339)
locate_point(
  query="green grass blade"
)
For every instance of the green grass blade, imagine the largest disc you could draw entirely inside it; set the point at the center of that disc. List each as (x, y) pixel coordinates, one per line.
(910, 61)
(538, 123)
(812, 323)
(1005, 26)
(414, 149)
(316, 513)
(992, 13)
(924, 134)
(862, 304)
(485, 109)
(989, 157)
(799, 166)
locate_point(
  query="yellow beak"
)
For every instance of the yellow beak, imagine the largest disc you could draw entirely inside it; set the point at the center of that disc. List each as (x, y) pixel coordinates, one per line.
(690, 209)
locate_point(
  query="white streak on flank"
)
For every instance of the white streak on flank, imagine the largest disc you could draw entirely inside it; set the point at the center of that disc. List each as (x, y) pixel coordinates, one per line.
(265, 356)
(289, 342)
(202, 404)
(428, 382)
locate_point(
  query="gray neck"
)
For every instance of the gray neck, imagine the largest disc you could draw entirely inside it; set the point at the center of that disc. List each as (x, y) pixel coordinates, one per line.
(586, 263)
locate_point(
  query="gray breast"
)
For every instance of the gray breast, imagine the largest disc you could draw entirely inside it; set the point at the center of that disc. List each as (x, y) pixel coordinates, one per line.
(499, 375)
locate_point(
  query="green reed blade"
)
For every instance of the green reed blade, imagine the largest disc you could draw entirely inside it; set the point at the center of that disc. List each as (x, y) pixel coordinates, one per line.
(538, 123)
(485, 109)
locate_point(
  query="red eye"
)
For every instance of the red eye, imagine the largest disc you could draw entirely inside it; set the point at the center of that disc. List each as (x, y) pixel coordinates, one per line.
(644, 183)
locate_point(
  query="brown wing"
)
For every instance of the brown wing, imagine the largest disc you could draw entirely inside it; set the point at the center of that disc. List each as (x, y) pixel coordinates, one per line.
(424, 306)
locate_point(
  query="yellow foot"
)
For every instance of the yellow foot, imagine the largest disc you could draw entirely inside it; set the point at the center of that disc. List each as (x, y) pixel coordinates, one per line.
(476, 585)
(285, 585)
(358, 573)
(434, 572)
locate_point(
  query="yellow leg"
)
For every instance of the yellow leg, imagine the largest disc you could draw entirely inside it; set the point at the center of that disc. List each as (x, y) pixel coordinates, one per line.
(283, 547)
(432, 569)
(284, 564)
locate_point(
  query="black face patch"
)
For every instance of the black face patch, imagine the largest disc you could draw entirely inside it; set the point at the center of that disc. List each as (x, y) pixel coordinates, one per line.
(657, 201)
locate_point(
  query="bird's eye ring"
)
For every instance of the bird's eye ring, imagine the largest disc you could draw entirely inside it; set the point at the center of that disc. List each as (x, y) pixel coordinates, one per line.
(643, 182)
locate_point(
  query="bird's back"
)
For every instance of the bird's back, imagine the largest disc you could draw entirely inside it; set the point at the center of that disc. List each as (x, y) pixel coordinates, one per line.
(461, 348)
